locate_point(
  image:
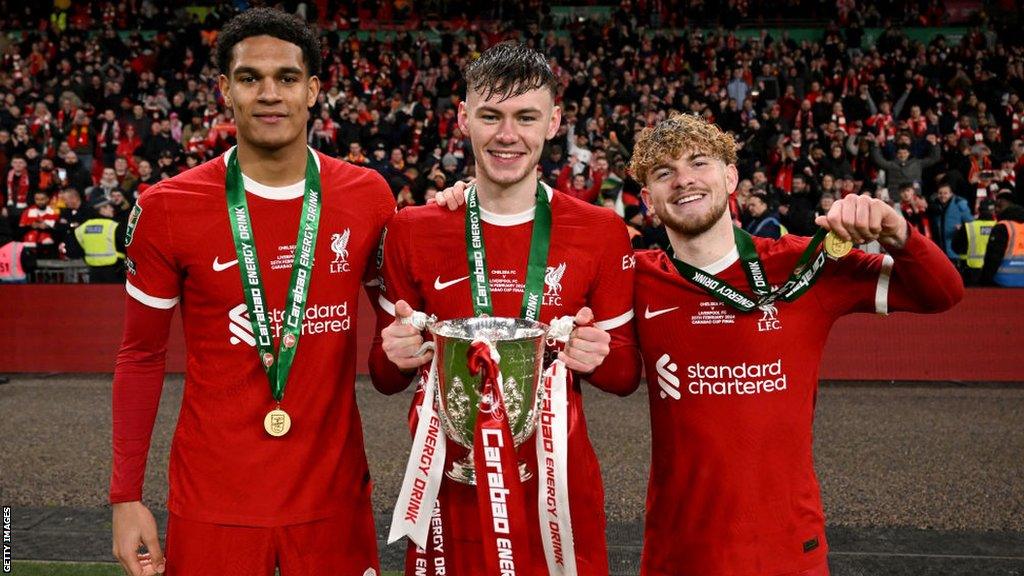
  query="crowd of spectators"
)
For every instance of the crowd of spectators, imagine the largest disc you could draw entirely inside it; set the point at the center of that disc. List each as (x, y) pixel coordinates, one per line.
(100, 100)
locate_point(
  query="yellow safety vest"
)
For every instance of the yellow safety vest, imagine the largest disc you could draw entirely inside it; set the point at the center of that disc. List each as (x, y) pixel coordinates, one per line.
(97, 239)
(977, 241)
(60, 19)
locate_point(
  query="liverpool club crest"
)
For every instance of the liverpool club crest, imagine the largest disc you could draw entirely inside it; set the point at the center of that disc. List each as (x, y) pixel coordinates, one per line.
(339, 245)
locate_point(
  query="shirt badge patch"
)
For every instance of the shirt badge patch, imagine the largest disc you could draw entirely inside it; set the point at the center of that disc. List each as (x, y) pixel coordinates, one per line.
(339, 245)
(553, 283)
(133, 221)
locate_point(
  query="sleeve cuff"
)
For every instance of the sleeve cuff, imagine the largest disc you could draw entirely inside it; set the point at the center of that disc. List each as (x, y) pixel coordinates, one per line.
(151, 301)
(882, 288)
(613, 323)
(386, 305)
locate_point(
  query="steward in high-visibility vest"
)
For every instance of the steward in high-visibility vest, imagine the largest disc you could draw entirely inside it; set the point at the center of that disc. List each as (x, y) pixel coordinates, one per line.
(11, 269)
(1011, 269)
(977, 232)
(103, 246)
(17, 261)
(970, 242)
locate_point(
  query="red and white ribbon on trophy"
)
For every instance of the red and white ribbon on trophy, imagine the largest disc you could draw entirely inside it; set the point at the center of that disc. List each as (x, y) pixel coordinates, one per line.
(500, 508)
(552, 439)
(425, 469)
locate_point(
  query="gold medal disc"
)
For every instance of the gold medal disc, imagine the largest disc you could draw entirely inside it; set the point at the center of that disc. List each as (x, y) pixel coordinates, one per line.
(277, 422)
(835, 247)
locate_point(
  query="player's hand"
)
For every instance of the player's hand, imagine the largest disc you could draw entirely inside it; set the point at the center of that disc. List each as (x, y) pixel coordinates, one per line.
(134, 525)
(401, 341)
(587, 346)
(452, 197)
(863, 219)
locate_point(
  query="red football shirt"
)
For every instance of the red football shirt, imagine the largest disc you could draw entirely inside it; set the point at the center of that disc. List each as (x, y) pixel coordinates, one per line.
(224, 467)
(732, 487)
(590, 263)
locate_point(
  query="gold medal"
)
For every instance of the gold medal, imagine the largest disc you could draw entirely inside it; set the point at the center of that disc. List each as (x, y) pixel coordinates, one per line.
(277, 422)
(835, 247)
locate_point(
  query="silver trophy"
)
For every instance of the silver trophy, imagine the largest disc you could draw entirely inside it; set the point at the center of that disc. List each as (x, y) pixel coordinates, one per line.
(520, 344)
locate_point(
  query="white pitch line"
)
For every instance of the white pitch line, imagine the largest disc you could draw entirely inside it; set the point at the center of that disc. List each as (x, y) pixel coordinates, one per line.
(915, 555)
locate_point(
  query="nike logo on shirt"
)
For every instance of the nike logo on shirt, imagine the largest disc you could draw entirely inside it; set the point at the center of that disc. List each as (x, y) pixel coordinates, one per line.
(220, 267)
(648, 313)
(438, 285)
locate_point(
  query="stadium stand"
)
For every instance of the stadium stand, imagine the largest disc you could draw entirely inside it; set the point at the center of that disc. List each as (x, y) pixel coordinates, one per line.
(840, 98)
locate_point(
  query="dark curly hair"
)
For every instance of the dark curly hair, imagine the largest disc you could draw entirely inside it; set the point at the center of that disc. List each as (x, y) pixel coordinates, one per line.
(509, 69)
(268, 22)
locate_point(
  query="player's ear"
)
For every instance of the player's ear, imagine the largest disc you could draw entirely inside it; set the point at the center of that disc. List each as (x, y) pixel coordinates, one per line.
(463, 117)
(556, 121)
(732, 178)
(645, 197)
(225, 88)
(313, 90)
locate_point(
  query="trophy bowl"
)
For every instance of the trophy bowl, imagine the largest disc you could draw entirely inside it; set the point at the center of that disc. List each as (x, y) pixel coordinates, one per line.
(520, 344)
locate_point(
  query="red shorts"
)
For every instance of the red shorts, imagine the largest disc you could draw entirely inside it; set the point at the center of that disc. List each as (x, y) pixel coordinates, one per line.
(342, 545)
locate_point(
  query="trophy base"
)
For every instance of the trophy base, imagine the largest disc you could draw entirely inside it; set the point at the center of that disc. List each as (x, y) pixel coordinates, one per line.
(463, 471)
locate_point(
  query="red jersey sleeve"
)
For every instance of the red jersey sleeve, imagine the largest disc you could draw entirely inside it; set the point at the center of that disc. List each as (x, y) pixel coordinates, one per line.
(916, 278)
(154, 276)
(395, 267)
(138, 382)
(393, 284)
(383, 215)
(923, 278)
(154, 286)
(611, 299)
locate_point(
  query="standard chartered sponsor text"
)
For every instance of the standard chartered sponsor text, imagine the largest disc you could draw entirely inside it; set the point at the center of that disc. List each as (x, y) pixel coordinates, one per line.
(738, 379)
(317, 319)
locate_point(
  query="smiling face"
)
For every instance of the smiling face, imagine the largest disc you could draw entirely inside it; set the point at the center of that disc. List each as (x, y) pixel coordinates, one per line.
(270, 92)
(688, 168)
(508, 135)
(690, 194)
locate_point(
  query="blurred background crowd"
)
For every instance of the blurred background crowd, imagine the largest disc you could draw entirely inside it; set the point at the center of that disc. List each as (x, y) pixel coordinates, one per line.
(918, 103)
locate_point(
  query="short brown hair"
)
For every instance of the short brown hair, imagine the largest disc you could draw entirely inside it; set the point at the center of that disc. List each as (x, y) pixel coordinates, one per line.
(509, 69)
(673, 137)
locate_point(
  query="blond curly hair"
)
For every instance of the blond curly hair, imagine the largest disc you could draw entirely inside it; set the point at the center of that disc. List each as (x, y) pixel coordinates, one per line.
(673, 137)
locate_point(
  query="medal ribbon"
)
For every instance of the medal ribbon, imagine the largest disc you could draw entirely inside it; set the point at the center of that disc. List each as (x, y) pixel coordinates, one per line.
(480, 287)
(277, 368)
(804, 274)
(500, 496)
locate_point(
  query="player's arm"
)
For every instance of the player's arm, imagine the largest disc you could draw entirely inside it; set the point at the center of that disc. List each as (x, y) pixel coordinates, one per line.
(597, 179)
(393, 360)
(923, 277)
(138, 383)
(611, 298)
(919, 278)
(153, 290)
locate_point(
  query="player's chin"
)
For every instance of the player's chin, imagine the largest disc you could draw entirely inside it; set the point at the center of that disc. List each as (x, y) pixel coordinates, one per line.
(273, 137)
(507, 177)
(689, 225)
